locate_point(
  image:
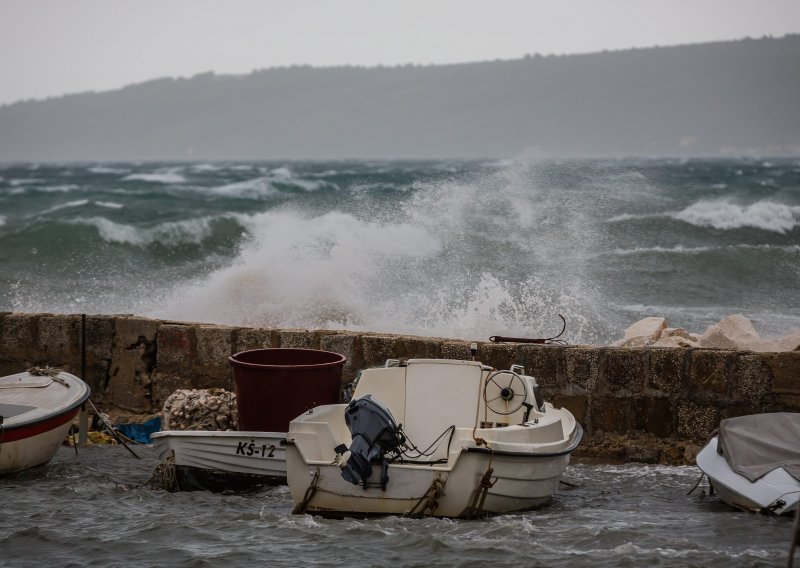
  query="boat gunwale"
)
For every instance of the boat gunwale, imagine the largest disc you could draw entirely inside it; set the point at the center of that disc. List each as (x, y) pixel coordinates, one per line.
(577, 435)
(52, 416)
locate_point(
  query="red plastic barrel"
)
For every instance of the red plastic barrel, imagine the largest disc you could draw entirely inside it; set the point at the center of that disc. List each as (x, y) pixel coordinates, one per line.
(274, 386)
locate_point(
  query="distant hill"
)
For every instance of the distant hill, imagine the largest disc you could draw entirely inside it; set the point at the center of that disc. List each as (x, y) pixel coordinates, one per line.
(727, 98)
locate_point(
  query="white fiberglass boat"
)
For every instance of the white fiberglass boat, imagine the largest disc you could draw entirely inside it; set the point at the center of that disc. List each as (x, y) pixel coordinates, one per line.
(223, 460)
(273, 386)
(470, 441)
(36, 411)
(754, 462)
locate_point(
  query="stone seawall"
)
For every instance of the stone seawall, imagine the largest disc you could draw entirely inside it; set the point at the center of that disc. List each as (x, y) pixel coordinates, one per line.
(638, 404)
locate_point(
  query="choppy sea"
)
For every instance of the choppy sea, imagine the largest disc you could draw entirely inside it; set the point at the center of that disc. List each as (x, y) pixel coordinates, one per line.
(93, 509)
(445, 248)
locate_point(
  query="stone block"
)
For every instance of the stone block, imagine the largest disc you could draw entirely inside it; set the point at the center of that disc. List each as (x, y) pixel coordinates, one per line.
(409, 347)
(164, 384)
(100, 336)
(497, 355)
(577, 405)
(733, 332)
(644, 332)
(751, 378)
(132, 364)
(708, 374)
(177, 348)
(666, 370)
(457, 350)
(785, 370)
(297, 339)
(625, 370)
(654, 416)
(612, 414)
(546, 363)
(583, 366)
(247, 338)
(642, 453)
(349, 345)
(378, 348)
(696, 421)
(99, 352)
(783, 403)
(59, 340)
(214, 346)
(18, 336)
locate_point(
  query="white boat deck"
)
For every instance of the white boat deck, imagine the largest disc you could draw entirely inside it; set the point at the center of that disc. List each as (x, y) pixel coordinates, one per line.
(26, 398)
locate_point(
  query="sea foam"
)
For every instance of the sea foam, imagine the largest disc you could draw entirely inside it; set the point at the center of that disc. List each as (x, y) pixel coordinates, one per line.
(268, 185)
(157, 177)
(724, 214)
(170, 234)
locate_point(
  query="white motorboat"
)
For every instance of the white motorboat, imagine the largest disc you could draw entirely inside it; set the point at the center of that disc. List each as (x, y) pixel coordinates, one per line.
(223, 460)
(36, 411)
(753, 463)
(470, 441)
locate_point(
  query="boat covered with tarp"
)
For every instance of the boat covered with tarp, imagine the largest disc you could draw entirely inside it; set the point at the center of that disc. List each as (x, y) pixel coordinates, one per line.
(753, 463)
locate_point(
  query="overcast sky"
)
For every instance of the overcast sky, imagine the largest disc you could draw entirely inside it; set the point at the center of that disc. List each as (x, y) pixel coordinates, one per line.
(52, 47)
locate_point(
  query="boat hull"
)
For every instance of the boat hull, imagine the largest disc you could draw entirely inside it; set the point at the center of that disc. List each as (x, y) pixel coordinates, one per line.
(776, 492)
(34, 444)
(453, 457)
(37, 411)
(519, 483)
(224, 460)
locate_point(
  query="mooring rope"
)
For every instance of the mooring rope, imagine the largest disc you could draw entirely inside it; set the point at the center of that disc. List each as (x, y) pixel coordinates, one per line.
(302, 507)
(430, 499)
(48, 371)
(51, 372)
(475, 509)
(696, 485)
(164, 475)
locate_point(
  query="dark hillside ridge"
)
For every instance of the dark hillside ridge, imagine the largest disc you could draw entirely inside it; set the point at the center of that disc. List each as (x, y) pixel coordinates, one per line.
(727, 98)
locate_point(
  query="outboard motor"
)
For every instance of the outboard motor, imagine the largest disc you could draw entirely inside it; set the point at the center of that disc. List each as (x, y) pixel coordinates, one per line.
(374, 433)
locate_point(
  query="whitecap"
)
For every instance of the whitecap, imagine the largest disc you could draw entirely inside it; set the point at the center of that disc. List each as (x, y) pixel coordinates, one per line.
(252, 188)
(3, 220)
(109, 204)
(724, 214)
(284, 175)
(192, 231)
(679, 249)
(205, 168)
(16, 182)
(108, 170)
(163, 177)
(657, 250)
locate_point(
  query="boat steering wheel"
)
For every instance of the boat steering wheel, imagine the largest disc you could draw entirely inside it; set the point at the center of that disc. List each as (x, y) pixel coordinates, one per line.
(504, 396)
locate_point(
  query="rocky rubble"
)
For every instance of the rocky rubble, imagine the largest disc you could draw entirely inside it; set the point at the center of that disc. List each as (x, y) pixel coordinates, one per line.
(734, 332)
(200, 409)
